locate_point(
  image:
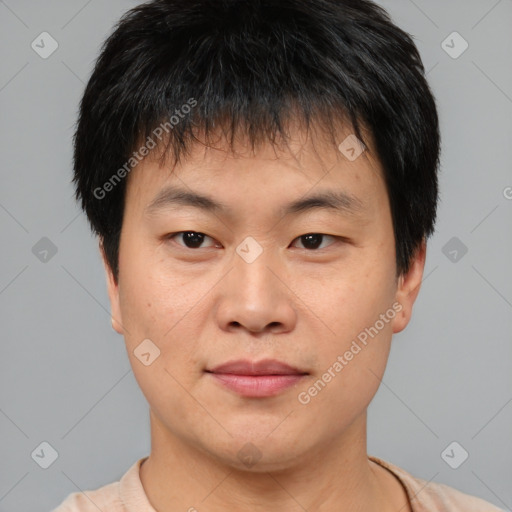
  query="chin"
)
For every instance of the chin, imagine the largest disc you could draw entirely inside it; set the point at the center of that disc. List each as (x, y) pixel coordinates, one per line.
(259, 453)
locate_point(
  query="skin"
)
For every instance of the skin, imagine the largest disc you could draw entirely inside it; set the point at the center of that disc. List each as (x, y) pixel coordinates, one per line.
(301, 305)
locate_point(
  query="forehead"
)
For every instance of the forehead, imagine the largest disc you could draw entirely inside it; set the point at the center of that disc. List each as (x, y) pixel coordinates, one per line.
(308, 170)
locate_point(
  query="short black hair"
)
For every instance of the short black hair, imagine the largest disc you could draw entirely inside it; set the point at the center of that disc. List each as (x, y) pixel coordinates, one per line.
(252, 65)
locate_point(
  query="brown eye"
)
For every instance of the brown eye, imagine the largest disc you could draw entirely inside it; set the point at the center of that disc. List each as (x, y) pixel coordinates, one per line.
(312, 241)
(191, 239)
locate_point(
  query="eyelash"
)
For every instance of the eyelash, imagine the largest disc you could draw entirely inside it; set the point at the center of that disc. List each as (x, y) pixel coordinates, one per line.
(173, 235)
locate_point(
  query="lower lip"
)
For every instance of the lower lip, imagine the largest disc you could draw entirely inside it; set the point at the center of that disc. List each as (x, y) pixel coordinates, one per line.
(257, 385)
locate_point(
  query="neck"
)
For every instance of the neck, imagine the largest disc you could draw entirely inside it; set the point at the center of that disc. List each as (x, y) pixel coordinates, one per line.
(335, 477)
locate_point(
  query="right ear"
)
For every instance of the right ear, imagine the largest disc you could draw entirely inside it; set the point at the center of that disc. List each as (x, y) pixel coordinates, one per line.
(113, 293)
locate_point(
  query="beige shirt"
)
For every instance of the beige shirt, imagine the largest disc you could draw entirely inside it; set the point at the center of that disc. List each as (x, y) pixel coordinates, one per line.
(128, 495)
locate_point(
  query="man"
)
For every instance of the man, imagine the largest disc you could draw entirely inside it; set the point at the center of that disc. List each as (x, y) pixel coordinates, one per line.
(262, 177)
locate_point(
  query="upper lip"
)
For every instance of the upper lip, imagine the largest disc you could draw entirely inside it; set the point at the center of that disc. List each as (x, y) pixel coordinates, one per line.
(263, 367)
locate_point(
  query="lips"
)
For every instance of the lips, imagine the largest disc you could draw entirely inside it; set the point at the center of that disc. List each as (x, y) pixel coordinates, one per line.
(256, 379)
(264, 367)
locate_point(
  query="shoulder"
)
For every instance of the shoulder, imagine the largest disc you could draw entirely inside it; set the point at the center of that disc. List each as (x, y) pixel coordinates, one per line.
(443, 497)
(104, 498)
(433, 497)
(125, 494)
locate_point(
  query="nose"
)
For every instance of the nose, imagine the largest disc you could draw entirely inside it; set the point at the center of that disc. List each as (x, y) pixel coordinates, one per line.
(257, 296)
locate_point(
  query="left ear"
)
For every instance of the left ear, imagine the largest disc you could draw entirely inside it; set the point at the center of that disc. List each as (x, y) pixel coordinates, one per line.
(409, 287)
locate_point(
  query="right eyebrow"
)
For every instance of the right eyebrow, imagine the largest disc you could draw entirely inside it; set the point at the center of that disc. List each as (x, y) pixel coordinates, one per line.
(171, 197)
(338, 201)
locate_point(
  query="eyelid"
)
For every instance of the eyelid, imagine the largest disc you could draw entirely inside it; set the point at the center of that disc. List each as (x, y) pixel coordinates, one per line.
(336, 238)
(170, 236)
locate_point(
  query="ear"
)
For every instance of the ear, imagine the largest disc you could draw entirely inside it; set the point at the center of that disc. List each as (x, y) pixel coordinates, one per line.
(409, 287)
(113, 293)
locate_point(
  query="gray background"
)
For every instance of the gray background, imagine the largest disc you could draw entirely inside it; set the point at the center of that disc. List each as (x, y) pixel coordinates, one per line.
(65, 376)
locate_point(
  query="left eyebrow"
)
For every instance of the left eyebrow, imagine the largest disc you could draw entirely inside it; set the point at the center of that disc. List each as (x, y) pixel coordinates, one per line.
(172, 197)
(327, 200)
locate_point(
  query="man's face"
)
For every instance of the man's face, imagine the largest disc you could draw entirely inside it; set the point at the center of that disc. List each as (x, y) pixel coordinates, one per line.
(246, 284)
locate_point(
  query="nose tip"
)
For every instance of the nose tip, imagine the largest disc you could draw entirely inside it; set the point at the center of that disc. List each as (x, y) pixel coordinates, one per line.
(251, 297)
(256, 327)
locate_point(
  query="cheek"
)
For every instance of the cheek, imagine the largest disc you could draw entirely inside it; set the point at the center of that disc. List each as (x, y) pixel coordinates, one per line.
(152, 299)
(357, 324)
(163, 308)
(364, 329)
(157, 315)
(347, 305)
(348, 380)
